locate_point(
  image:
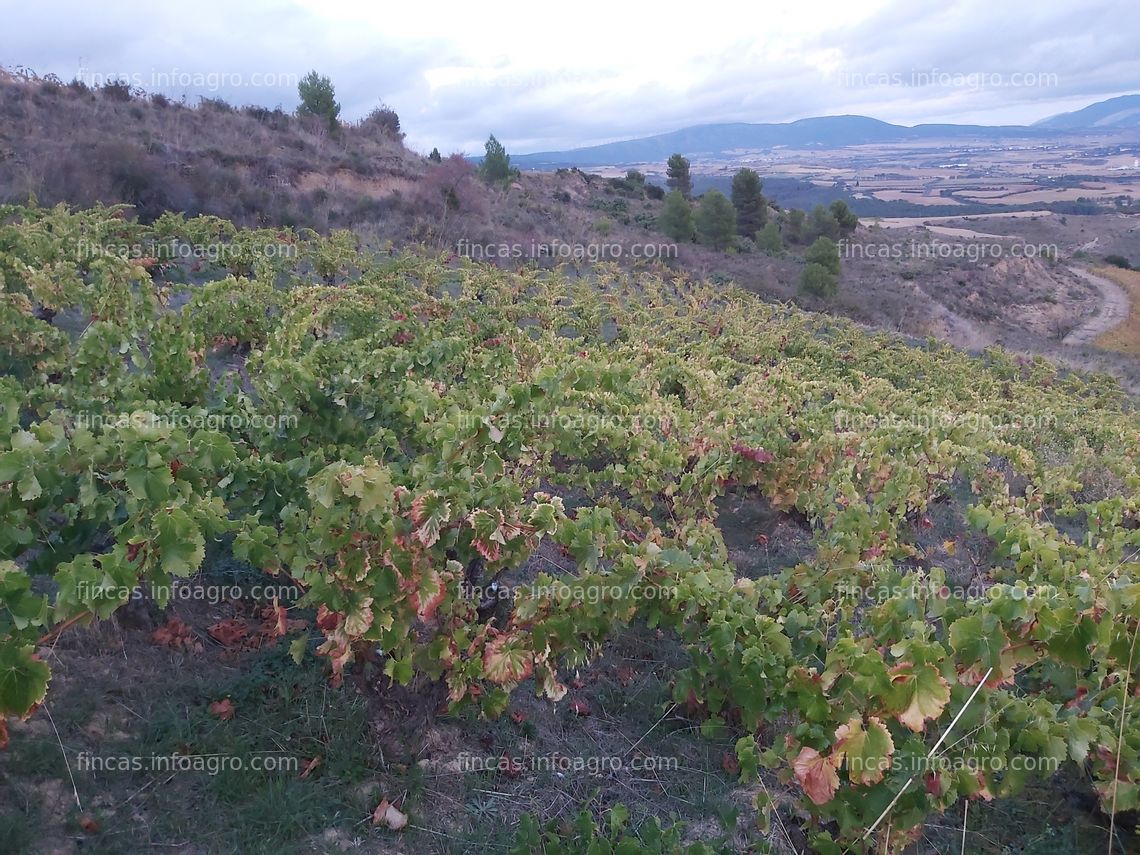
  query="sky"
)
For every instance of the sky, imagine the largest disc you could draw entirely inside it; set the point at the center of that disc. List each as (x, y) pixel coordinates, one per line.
(548, 78)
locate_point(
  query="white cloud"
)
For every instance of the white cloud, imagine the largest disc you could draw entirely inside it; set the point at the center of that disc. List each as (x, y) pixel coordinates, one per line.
(543, 78)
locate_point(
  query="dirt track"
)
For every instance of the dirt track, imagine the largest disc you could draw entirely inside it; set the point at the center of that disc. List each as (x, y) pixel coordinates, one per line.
(1113, 311)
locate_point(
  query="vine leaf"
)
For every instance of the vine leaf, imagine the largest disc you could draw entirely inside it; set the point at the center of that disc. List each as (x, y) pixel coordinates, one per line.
(386, 814)
(180, 542)
(429, 513)
(223, 709)
(506, 661)
(867, 750)
(23, 680)
(817, 775)
(488, 533)
(918, 693)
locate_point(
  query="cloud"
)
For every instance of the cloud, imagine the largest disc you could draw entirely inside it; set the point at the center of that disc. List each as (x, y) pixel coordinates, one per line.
(599, 71)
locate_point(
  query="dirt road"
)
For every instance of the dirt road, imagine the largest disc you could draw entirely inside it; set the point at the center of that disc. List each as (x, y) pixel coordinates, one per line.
(1113, 310)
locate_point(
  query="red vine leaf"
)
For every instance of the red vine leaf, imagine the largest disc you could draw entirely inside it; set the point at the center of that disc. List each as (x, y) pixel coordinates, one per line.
(753, 452)
(817, 775)
(223, 709)
(387, 815)
(229, 632)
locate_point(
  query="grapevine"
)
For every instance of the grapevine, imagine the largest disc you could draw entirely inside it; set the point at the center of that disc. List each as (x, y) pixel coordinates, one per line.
(396, 433)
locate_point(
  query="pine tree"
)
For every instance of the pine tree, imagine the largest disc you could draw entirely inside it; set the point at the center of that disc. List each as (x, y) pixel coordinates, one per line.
(825, 253)
(676, 218)
(716, 220)
(769, 239)
(747, 198)
(844, 216)
(794, 225)
(679, 177)
(318, 98)
(818, 281)
(496, 163)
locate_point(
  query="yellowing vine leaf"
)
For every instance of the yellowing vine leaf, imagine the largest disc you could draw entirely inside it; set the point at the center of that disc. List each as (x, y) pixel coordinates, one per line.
(506, 660)
(917, 693)
(488, 535)
(867, 750)
(429, 513)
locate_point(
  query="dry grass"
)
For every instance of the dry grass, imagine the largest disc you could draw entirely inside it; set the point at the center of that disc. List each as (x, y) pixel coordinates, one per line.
(1126, 337)
(81, 145)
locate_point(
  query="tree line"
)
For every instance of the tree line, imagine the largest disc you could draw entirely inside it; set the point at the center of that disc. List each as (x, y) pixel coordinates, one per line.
(748, 220)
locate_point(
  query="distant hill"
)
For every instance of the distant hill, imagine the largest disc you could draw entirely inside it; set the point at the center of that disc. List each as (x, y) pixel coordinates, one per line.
(1122, 112)
(721, 140)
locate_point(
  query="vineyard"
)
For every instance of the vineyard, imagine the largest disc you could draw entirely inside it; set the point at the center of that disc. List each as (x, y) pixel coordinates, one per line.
(397, 434)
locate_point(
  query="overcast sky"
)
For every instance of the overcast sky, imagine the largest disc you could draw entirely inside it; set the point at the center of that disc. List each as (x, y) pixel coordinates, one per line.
(599, 70)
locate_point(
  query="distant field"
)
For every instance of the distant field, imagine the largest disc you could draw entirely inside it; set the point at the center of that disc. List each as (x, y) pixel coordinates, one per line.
(914, 222)
(902, 179)
(1057, 194)
(917, 197)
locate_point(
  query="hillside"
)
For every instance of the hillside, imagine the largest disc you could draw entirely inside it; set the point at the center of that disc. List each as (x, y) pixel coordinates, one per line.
(70, 143)
(756, 571)
(1122, 112)
(262, 168)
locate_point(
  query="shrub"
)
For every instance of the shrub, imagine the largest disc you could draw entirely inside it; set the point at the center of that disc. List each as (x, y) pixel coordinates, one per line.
(1118, 261)
(603, 226)
(676, 219)
(825, 253)
(619, 185)
(384, 120)
(844, 216)
(618, 207)
(450, 186)
(818, 281)
(646, 220)
(116, 90)
(655, 192)
(823, 224)
(794, 220)
(633, 184)
(768, 239)
(218, 105)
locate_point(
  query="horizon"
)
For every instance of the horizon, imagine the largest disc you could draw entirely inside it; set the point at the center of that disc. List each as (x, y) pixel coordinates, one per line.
(837, 116)
(456, 78)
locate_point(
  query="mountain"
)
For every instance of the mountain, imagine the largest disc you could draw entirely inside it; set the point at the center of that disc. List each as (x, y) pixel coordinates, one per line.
(1122, 112)
(721, 140)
